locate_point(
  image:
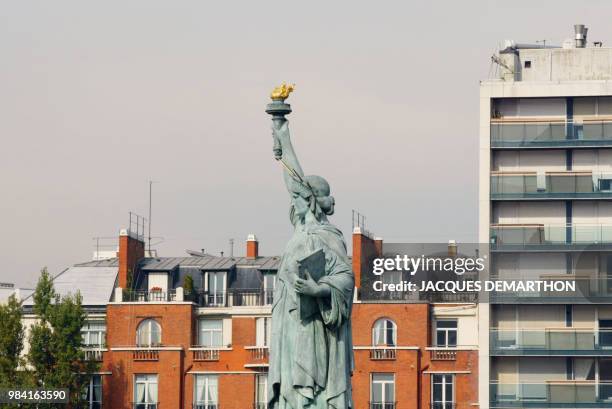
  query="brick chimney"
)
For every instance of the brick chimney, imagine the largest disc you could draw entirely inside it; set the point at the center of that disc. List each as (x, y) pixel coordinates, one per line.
(252, 246)
(365, 249)
(131, 251)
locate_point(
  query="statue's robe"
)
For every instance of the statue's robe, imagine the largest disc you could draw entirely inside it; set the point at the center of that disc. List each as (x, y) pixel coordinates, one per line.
(311, 361)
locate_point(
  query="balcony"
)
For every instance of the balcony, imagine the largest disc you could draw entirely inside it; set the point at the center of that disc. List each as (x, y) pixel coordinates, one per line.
(233, 298)
(200, 353)
(550, 185)
(93, 353)
(525, 237)
(258, 356)
(533, 135)
(151, 296)
(383, 354)
(553, 342)
(552, 394)
(145, 354)
(442, 354)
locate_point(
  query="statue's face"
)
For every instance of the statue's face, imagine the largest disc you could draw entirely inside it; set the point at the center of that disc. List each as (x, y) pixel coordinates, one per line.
(300, 205)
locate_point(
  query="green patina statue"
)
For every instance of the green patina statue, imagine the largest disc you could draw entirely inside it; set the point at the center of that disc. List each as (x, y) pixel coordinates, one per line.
(311, 352)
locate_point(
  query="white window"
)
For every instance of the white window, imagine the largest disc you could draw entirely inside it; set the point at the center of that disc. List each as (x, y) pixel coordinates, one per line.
(263, 331)
(442, 391)
(261, 391)
(206, 393)
(148, 333)
(446, 333)
(384, 332)
(94, 333)
(269, 287)
(145, 392)
(216, 284)
(92, 394)
(210, 333)
(382, 394)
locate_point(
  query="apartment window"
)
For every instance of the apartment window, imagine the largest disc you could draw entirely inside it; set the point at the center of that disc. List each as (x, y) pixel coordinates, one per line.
(569, 316)
(261, 391)
(384, 332)
(382, 394)
(210, 333)
(442, 391)
(145, 392)
(206, 393)
(263, 331)
(527, 64)
(148, 333)
(94, 333)
(216, 288)
(92, 394)
(446, 333)
(269, 287)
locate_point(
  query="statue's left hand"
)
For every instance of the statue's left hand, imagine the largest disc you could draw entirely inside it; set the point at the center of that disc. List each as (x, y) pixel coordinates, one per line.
(308, 286)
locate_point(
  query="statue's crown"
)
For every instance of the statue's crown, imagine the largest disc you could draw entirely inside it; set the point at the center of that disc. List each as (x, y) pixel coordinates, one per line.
(281, 92)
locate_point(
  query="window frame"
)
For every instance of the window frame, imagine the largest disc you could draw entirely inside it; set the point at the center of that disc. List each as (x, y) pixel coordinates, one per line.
(149, 322)
(446, 331)
(88, 393)
(444, 403)
(207, 402)
(86, 333)
(147, 379)
(211, 333)
(215, 297)
(384, 321)
(384, 402)
(258, 399)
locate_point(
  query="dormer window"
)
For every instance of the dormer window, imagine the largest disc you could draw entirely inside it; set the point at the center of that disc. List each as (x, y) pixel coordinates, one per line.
(216, 283)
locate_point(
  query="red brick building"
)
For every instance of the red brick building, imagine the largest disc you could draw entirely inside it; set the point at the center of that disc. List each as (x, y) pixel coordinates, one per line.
(193, 332)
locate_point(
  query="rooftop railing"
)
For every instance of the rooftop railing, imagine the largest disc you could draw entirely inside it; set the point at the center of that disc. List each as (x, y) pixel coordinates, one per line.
(550, 185)
(149, 296)
(550, 134)
(233, 298)
(552, 394)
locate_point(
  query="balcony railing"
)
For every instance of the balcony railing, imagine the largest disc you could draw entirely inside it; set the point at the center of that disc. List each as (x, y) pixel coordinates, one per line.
(93, 353)
(137, 405)
(529, 185)
(552, 394)
(149, 296)
(382, 405)
(551, 134)
(260, 405)
(206, 406)
(443, 354)
(445, 405)
(205, 354)
(383, 354)
(258, 353)
(551, 342)
(536, 236)
(233, 298)
(145, 355)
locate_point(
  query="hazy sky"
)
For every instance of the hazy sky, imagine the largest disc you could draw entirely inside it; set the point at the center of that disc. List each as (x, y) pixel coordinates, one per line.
(96, 98)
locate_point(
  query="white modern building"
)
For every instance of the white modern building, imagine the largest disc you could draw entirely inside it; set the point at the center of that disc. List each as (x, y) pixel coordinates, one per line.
(545, 207)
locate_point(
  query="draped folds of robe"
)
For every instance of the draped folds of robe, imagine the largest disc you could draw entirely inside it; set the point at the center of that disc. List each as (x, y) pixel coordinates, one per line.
(311, 360)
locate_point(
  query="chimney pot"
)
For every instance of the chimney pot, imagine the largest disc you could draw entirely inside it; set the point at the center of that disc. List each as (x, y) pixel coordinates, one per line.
(252, 250)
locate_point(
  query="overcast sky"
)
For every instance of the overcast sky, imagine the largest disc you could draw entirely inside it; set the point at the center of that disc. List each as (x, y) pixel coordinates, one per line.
(97, 98)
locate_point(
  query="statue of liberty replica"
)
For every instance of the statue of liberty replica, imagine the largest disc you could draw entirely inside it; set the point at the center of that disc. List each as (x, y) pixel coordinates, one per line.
(311, 356)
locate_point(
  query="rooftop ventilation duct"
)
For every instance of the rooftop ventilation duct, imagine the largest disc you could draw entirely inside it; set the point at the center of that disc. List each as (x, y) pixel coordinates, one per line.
(581, 35)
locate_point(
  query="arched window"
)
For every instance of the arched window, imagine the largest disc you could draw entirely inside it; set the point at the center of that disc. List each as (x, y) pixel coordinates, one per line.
(148, 333)
(384, 332)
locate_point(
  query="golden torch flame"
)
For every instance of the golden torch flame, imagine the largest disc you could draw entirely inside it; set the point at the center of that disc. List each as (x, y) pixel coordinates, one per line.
(281, 92)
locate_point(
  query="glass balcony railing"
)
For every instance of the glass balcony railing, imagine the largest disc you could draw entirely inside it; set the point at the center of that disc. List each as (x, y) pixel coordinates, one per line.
(586, 290)
(536, 236)
(529, 185)
(552, 394)
(546, 134)
(551, 342)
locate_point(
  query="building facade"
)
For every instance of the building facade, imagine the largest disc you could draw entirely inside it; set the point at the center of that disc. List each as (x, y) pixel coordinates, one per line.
(546, 210)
